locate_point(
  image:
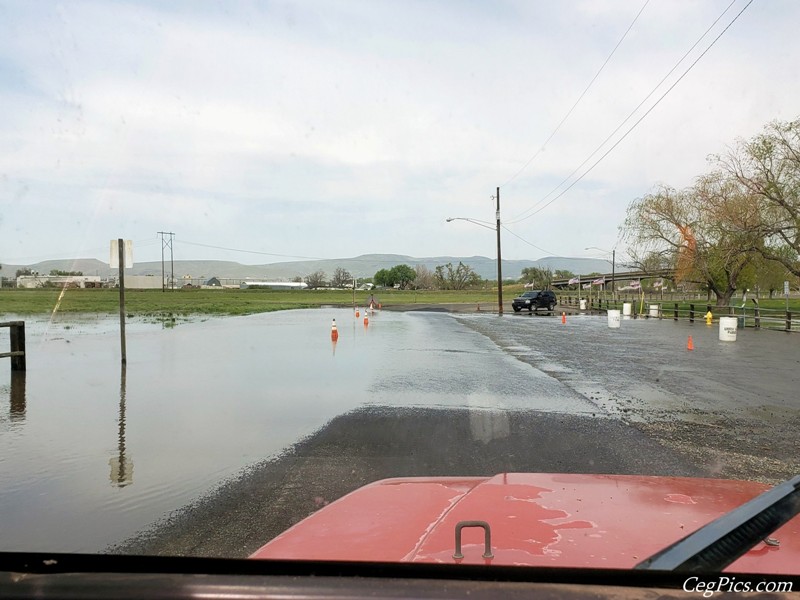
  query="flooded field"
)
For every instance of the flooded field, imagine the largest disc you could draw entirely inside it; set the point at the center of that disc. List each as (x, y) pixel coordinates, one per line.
(90, 453)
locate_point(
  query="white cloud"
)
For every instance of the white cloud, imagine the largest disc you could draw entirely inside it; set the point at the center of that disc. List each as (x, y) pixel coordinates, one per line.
(386, 118)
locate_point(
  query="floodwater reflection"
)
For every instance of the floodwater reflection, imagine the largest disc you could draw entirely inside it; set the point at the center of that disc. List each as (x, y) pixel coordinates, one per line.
(121, 465)
(486, 425)
(18, 400)
(199, 403)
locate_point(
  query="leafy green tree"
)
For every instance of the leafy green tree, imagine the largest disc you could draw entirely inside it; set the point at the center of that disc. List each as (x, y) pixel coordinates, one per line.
(541, 277)
(768, 167)
(706, 231)
(402, 275)
(383, 278)
(767, 275)
(60, 273)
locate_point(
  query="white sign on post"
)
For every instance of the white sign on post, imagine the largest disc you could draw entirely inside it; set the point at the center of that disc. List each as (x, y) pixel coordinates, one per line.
(128, 254)
(786, 288)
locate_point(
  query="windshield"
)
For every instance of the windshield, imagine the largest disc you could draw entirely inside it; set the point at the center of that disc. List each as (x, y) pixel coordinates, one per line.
(256, 256)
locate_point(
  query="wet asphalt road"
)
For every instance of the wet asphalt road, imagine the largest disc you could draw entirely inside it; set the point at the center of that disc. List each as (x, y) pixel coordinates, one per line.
(481, 395)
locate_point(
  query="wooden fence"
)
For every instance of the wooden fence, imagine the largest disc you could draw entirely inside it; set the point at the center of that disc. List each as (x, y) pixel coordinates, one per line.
(748, 316)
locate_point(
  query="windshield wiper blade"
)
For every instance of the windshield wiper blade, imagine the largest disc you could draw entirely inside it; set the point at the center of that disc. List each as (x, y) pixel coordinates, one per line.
(719, 543)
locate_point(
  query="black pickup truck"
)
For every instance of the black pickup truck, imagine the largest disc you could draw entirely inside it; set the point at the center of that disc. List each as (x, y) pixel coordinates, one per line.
(534, 300)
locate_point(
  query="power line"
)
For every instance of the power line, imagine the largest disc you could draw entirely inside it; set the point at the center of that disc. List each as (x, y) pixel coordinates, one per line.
(583, 93)
(649, 110)
(529, 243)
(626, 119)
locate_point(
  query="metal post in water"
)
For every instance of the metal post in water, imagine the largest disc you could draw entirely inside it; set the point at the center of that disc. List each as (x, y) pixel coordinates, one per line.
(121, 246)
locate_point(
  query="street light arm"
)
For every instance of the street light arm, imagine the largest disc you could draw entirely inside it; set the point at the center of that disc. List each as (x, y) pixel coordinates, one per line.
(474, 221)
(495, 227)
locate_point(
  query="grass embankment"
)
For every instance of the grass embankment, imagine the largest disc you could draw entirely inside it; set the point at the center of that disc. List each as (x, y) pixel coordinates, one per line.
(216, 302)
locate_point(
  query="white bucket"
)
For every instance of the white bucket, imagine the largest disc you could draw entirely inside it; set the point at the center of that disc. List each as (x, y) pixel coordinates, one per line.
(654, 310)
(627, 308)
(727, 329)
(583, 303)
(615, 320)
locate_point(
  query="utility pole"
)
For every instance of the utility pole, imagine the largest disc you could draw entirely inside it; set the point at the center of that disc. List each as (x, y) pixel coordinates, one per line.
(167, 243)
(121, 258)
(499, 265)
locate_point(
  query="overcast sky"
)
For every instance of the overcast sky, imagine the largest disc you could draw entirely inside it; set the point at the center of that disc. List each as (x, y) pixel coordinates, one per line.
(333, 129)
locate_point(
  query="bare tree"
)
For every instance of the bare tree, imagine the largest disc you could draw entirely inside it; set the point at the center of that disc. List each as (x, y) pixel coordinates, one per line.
(316, 279)
(424, 279)
(448, 277)
(341, 278)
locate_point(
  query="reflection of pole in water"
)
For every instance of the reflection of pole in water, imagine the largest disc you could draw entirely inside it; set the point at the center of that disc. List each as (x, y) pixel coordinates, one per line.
(17, 412)
(121, 467)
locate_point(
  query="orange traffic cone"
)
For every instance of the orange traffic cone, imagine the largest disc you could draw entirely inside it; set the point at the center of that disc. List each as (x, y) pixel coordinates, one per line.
(366, 319)
(334, 331)
(564, 318)
(357, 313)
(690, 344)
(379, 305)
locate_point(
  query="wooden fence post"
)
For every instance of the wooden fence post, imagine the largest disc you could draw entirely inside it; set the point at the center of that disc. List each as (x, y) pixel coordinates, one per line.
(17, 332)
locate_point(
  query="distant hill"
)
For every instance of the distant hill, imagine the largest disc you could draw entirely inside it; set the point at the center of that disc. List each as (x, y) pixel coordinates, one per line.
(360, 266)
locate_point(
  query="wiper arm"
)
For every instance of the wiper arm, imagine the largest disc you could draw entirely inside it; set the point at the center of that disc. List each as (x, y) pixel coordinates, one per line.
(719, 543)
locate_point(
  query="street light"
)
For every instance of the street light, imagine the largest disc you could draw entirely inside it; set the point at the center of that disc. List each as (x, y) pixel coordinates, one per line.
(488, 225)
(613, 253)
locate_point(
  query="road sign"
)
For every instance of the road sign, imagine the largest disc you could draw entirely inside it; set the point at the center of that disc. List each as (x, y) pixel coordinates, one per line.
(128, 249)
(786, 288)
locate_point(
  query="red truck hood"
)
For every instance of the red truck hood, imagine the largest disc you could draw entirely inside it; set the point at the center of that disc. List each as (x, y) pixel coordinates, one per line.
(536, 519)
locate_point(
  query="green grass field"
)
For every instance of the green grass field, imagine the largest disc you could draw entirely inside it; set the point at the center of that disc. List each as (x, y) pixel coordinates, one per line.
(220, 302)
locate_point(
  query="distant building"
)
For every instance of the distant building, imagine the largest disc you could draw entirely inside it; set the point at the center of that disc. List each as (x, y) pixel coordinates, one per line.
(274, 285)
(144, 282)
(79, 281)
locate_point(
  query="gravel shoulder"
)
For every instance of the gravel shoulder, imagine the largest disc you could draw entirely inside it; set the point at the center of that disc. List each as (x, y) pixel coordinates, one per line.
(376, 443)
